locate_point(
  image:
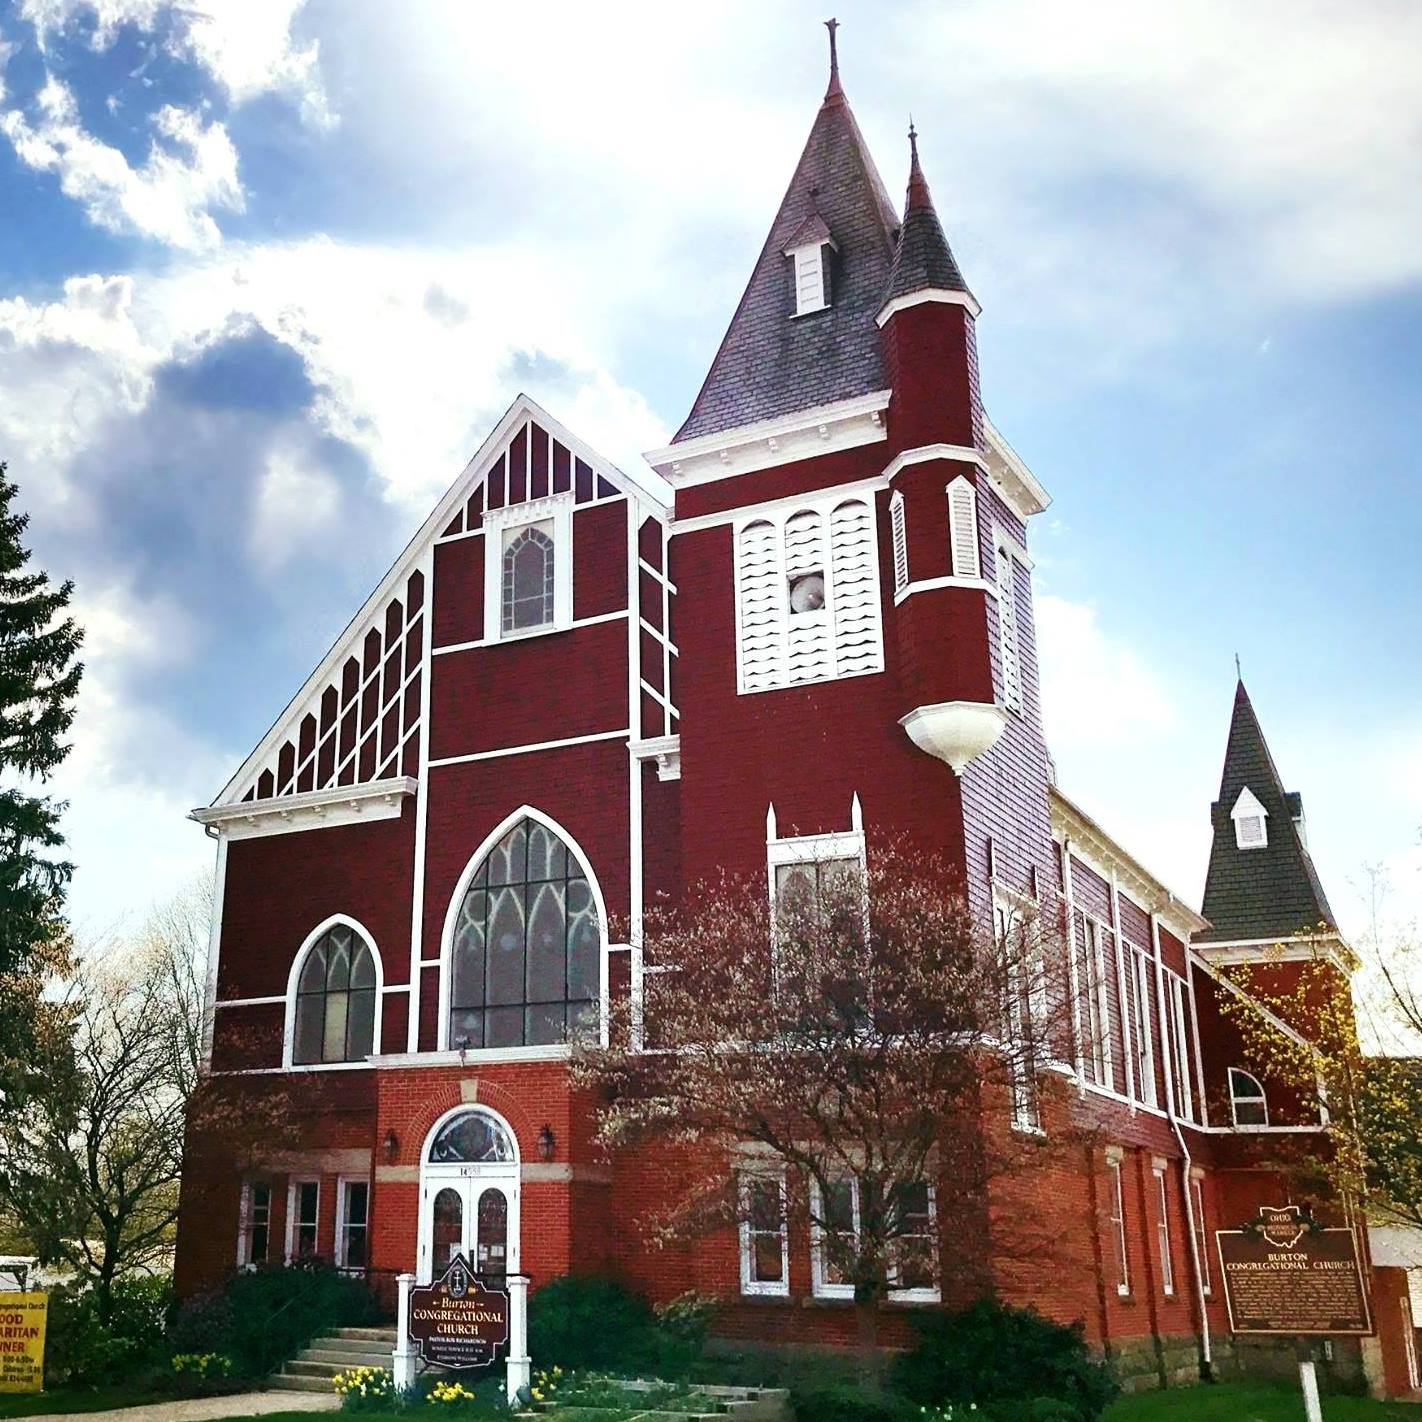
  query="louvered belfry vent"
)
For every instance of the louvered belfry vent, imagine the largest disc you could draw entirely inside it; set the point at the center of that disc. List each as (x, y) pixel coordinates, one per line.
(963, 528)
(900, 537)
(807, 596)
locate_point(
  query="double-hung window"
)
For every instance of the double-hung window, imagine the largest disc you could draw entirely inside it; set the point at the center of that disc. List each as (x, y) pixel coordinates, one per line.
(1116, 1203)
(352, 1224)
(834, 1237)
(1143, 1025)
(254, 1241)
(1162, 1230)
(913, 1272)
(1025, 987)
(1180, 1045)
(1097, 1024)
(528, 568)
(837, 1213)
(1202, 1235)
(764, 1235)
(303, 1214)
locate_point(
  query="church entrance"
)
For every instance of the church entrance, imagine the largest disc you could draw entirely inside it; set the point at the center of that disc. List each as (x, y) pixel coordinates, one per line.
(469, 1195)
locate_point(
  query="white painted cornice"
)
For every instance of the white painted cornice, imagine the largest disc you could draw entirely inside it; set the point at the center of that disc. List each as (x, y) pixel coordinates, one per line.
(826, 429)
(664, 750)
(1011, 476)
(965, 299)
(313, 809)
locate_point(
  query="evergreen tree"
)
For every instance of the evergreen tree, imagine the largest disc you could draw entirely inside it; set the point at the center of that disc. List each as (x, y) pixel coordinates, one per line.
(39, 678)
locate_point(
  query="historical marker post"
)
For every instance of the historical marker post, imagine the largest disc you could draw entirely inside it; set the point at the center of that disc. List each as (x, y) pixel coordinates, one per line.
(1287, 1275)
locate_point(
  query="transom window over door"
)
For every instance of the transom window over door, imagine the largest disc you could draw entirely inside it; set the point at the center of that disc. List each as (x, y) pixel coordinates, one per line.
(526, 951)
(335, 1000)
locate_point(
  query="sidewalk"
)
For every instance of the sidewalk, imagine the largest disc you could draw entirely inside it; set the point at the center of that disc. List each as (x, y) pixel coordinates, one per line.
(239, 1404)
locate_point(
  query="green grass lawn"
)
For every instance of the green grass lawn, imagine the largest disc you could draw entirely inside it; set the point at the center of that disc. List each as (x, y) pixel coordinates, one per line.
(1236, 1402)
(73, 1399)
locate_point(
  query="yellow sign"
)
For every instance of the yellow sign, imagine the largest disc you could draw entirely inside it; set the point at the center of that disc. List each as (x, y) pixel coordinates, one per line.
(22, 1319)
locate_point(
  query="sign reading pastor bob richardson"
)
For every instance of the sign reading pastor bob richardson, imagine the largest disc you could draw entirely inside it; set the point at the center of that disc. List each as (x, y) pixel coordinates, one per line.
(458, 1321)
(1284, 1273)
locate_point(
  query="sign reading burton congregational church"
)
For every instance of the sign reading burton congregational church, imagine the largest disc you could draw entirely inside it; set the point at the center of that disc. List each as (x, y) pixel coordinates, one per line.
(458, 1321)
(1284, 1273)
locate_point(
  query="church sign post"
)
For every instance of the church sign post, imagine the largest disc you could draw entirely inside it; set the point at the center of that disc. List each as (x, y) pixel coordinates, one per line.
(1287, 1275)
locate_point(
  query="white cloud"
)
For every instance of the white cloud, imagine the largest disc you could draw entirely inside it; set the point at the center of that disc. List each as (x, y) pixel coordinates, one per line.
(245, 45)
(191, 168)
(296, 507)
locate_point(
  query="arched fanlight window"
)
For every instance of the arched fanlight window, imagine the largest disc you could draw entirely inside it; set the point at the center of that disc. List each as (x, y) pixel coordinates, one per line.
(472, 1138)
(335, 999)
(525, 956)
(528, 577)
(1248, 1104)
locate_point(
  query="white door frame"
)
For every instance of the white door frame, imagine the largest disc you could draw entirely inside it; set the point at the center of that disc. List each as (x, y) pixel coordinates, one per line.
(471, 1179)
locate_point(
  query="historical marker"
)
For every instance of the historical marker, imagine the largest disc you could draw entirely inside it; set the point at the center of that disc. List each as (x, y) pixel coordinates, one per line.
(1284, 1273)
(458, 1321)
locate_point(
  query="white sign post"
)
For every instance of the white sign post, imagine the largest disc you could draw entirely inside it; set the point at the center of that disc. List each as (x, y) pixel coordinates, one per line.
(404, 1355)
(519, 1365)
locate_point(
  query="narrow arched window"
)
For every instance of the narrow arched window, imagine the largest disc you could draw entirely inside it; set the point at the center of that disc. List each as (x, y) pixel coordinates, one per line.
(528, 578)
(1248, 1104)
(335, 999)
(526, 954)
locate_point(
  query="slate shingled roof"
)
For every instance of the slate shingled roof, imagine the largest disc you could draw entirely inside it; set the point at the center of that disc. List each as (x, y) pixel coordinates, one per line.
(771, 364)
(924, 260)
(1257, 895)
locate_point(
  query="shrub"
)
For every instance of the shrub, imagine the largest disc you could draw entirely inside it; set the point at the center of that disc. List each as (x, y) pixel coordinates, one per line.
(991, 1353)
(851, 1402)
(81, 1346)
(688, 1318)
(593, 1323)
(260, 1319)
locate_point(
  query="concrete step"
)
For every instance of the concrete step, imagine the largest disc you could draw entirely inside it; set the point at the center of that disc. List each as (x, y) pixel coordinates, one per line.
(343, 1358)
(291, 1382)
(367, 1335)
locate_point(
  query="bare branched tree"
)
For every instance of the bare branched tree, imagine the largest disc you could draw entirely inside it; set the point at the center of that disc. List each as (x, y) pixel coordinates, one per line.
(90, 1165)
(832, 1058)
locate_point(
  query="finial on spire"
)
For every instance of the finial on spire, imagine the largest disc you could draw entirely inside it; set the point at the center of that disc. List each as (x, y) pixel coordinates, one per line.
(913, 144)
(832, 25)
(1238, 674)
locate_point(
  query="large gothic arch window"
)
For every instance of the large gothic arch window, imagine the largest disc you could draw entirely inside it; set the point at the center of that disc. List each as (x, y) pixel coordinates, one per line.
(526, 950)
(336, 990)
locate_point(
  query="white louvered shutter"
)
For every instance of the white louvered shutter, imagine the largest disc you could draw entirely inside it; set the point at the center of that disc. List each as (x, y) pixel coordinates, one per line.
(807, 641)
(963, 528)
(1007, 630)
(900, 537)
(762, 601)
(854, 590)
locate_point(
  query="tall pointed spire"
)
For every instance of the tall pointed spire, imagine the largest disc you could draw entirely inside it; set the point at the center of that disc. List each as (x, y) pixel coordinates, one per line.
(773, 362)
(923, 261)
(1267, 889)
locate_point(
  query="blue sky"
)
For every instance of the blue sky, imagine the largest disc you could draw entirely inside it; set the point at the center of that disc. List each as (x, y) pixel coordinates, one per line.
(269, 270)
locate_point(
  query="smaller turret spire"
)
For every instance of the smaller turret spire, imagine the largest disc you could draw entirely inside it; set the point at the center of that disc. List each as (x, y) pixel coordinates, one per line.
(834, 91)
(923, 260)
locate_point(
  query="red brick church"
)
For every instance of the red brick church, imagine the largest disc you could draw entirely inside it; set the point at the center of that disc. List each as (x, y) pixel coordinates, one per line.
(579, 689)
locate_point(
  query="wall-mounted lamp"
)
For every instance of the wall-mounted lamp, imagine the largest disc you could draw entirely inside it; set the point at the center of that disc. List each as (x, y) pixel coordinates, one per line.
(546, 1141)
(392, 1144)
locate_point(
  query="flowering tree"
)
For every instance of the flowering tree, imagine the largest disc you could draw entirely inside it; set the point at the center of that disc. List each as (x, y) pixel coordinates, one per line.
(861, 1057)
(1370, 1153)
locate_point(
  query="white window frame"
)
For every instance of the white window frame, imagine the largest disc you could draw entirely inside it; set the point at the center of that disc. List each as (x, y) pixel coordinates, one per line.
(1235, 1098)
(821, 1286)
(343, 1185)
(1248, 811)
(1181, 1043)
(810, 266)
(751, 1286)
(1025, 1092)
(1162, 1229)
(1098, 1002)
(813, 849)
(1006, 556)
(929, 1293)
(1115, 1162)
(293, 1195)
(293, 980)
(500, 525)
(1202, 1235)
(1143, 1023)
(247, 1223)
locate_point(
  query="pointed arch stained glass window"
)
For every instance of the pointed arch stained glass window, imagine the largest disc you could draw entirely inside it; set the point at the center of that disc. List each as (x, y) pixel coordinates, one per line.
(526, 956)
(335, 999)
(528, 577)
